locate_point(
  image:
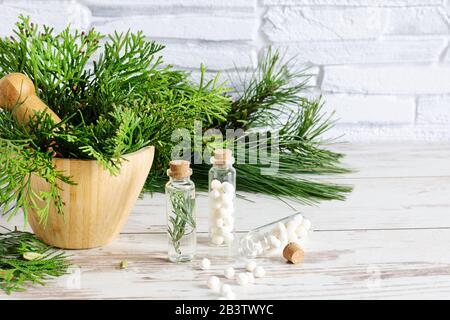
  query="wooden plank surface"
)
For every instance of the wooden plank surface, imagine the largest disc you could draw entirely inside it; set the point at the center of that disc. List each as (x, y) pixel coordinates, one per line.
(338, 264)
(388, 240)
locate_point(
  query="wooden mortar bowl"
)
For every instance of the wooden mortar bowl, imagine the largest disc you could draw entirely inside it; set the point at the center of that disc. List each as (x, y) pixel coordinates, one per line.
(97, 207)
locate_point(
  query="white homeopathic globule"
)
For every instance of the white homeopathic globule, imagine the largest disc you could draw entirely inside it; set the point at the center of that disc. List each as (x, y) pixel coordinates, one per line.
(213, 283)
(205, 264)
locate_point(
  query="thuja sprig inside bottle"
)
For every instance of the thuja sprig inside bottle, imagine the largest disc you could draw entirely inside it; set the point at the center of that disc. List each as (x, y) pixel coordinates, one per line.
(222, 194)
(181, 215)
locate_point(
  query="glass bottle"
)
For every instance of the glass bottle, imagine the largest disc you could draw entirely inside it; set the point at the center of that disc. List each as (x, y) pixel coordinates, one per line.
(273, 237)
(222, 194)
(181, 216)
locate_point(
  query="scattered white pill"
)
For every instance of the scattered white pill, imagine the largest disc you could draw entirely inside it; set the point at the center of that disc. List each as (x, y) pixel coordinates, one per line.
(205, 264)
(306, 224)
(250, 266)
(230, 296)
(225, 289)
(228, 188)
(229, 273)
(242, 279)
(259, 272)
(217, 240)
(302, 232)
(213, 283)
(251, 278)
(216, 185)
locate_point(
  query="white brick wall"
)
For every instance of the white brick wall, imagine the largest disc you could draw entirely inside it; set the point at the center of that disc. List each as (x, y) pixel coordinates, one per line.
(383, 65)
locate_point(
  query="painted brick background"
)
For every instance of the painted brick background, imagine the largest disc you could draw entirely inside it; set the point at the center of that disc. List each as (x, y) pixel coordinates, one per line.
(382, 65)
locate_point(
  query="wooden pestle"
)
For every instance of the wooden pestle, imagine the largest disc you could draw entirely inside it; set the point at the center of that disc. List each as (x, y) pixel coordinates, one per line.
(18, 95)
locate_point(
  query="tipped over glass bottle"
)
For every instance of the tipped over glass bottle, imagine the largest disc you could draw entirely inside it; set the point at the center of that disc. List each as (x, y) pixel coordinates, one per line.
(181, 216)
(273, 237)
(222, 194)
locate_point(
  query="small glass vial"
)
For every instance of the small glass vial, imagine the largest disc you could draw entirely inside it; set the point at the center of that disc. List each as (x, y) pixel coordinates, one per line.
(222, 194)
(273, 237)
(181, 216)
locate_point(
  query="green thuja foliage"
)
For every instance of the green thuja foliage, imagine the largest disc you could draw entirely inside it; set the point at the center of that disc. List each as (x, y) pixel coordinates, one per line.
(24, 260)
(115, 96)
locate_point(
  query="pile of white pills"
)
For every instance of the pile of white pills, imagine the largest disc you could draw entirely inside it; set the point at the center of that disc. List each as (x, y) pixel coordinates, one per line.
(214, 283)
(294, 230)
(221, 220)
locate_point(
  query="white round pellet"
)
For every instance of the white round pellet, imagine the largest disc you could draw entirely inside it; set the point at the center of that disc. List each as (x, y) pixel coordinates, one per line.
(230, 296)
(215, 231)
(251, 277)
(306, 224)
(250, 266)
(224, 212)
(291, 225)
(225, 289)
(298, 218)
(227, 197)
(281, 226)
(259, 272)
(258, 248)
(216, 185)
(205, 264)
(292, 236)
(214, 204)
(213, 283)
(214, 194)
(228, 188)
(218, 222)
(226, 229)
(227, 203)
(229, 273)
(228, 237)
(242, 279)
(228, 221)
(274, 241)
(302, 232)
(276, 232)
(217, 240)
(283, 232)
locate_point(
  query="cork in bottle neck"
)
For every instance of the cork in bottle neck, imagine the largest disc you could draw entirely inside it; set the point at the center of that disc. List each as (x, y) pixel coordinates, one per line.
(179, 169)
(222, 158)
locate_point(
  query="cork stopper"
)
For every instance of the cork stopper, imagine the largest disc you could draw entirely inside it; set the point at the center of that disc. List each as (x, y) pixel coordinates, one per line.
(223, 157)
(293, 253)
(179, 169)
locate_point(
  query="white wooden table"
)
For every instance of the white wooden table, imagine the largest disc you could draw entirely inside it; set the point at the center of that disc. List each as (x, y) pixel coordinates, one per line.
(390, 239)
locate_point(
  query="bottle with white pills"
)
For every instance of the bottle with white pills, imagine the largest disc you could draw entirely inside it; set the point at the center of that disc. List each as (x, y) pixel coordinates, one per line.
(222, 194)
(271, 238)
